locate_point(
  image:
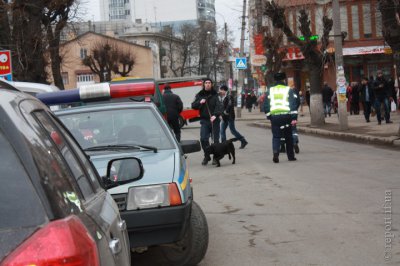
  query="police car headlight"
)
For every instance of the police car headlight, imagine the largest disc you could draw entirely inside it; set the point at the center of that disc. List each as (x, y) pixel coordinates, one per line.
(153, 196)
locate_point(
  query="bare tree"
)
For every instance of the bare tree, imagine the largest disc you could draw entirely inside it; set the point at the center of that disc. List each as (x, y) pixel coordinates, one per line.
(390, 10)
(312, 51)
(55, 15)
(102, 59)
(180, 48)
(106, 57)
(21, 32)
(125, 63)
(273, 40)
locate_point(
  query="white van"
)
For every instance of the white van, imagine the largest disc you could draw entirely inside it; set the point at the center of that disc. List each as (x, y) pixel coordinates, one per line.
(33, 88)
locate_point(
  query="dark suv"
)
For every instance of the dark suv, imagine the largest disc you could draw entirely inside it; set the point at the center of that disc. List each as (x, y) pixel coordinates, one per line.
(54, 210)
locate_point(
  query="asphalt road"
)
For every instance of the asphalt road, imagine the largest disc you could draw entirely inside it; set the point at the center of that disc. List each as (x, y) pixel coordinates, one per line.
(327, 208)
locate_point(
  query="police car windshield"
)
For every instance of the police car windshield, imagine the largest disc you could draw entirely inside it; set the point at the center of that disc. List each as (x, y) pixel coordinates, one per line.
(132, 126)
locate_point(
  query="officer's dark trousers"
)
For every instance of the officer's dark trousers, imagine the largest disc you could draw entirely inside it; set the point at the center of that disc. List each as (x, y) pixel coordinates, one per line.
(281, 126)
(207, 129)
(174, 124)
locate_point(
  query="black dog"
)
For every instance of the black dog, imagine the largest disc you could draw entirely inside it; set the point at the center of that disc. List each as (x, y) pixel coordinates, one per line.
(219, 150)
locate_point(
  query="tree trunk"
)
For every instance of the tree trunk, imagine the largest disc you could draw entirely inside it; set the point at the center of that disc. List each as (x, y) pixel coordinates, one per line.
(316, 105)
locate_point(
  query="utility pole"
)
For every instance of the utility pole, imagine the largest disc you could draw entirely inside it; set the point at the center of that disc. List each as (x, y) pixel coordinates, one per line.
(241, 71)
(227, 68)
(340, 77)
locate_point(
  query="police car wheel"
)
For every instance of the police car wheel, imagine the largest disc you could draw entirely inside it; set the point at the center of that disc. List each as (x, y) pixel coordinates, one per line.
(181, 121)
(193, 247)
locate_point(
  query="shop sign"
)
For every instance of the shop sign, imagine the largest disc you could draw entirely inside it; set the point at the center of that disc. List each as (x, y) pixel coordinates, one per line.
(293, 53)
(258, 60)
(364, 50)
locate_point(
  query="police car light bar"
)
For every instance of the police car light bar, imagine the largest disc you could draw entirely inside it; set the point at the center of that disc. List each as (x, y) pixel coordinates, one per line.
(96, 92)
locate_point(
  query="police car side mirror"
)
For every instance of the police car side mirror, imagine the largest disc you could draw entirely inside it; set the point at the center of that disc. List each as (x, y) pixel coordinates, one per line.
(190, 146)
(123, 170)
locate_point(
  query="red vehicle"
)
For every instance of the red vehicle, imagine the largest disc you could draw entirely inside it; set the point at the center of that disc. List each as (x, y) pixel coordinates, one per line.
(186, 88)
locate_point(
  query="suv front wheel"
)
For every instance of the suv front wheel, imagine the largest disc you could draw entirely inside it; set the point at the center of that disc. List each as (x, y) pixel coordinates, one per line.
(192, 248)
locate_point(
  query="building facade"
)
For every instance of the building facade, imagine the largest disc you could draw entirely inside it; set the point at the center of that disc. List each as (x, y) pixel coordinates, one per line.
(75, 74)
(364, 49)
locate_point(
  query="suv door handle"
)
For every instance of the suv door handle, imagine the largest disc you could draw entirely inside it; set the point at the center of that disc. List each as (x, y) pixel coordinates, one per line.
(115, 246)
(122, 225)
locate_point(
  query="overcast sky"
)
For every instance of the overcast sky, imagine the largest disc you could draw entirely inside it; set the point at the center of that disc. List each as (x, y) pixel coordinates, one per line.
(228, 10)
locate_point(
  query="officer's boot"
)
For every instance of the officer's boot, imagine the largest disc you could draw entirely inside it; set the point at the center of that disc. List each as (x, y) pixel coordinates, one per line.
(276, 158)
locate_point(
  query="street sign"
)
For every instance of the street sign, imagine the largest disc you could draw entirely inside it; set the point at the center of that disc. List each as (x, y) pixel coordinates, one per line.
(5, 64)
(241, 63)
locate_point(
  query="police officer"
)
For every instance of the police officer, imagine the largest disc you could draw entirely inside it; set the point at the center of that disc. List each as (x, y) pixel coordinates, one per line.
(280, 108)
(210, 109)
(174, 107)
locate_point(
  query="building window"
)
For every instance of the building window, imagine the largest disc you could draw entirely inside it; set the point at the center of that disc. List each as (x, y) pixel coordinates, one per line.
(344, 25)
(366, 11)
(65, 79)
(147, 43)
(378, 22)
(85, 78)
(354, 22)
(83, 53)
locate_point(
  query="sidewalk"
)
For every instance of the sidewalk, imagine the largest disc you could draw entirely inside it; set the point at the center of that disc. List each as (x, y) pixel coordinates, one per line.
(359, 130)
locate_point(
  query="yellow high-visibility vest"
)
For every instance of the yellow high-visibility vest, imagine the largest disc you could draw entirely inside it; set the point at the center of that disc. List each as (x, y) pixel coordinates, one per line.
(279, 100)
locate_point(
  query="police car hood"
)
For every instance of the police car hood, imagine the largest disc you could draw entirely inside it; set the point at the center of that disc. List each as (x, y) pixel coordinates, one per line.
(159, 167)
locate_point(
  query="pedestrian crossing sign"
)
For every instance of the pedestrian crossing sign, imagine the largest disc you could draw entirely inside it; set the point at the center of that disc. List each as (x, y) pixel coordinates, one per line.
(241, 63)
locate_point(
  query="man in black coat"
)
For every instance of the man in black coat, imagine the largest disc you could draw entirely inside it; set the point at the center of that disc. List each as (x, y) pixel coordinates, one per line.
(174, 107)
(210, 108)
(381, 97)
(327, 94)
(367, 97)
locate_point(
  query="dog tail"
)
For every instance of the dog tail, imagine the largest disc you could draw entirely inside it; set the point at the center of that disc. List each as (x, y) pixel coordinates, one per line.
(233, 140)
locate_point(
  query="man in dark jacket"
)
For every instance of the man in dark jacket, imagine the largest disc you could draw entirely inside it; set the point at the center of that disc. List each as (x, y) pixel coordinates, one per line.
(381, 97)
(327, 94)
(174, 107)
(228, 116)
(210, 108)
(367, 97)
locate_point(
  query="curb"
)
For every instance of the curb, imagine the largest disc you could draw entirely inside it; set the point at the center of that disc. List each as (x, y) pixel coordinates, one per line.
(359, 138)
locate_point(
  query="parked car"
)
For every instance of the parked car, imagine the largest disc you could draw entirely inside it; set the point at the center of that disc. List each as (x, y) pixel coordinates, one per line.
(54, 210)
(159, 208)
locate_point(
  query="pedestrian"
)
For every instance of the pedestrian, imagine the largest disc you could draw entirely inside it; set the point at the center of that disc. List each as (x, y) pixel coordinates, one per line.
(380, 88)
(174, 106)
(210, 108)
(228, 116)
(280, 108)
(308, 96)
(355, 96)
(349, 96)
(327, 94)
(367, 97)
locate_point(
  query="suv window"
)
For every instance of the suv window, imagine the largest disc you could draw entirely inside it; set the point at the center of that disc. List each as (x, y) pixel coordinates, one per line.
(70, 158)
(17, 210)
